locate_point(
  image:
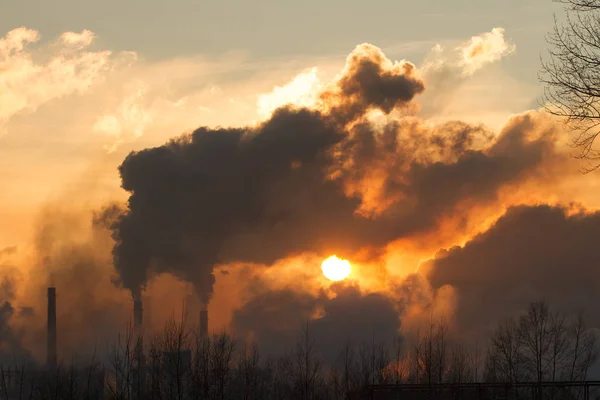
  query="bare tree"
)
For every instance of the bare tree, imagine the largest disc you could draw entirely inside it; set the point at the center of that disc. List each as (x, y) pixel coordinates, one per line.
(173, 356)
(223, 348)
(542, 345)
(15, 382)
(349, 373)
(460, 369)
(201, 368)
(305, 367)
(121, 362)
(571, 74)
(558, 347)
(430, 354)
(365, 365)
(397, 371)
(536, 339)
(248, 372)
(582, 348)
(476, 358)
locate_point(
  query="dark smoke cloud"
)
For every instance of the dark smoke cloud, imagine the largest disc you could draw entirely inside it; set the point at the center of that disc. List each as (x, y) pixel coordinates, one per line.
(532, 252)
(193, 194)
(299, 181)
(429, 172)
(370, 81)
(274, 319)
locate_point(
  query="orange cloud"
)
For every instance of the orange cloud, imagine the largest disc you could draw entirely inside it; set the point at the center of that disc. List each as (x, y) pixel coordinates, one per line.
(30, 78)
(484, 49)
(358, 166)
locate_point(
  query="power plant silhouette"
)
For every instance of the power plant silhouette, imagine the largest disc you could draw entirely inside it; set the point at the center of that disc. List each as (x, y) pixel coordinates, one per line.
(176, 369)
(138, 311)
(15, 382)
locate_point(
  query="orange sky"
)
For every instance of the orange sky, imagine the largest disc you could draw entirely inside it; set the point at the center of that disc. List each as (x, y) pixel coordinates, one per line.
(73, 111)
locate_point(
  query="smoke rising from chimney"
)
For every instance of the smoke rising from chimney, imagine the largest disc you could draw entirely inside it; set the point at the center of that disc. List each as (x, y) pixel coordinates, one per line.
(321, 180)
(416, 172)
(137, 315)
(204, 322)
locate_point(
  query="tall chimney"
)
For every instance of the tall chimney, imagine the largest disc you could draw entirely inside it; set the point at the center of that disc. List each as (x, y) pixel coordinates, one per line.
(137, 315)
(51, 332)
(137, 326)
(204, 322)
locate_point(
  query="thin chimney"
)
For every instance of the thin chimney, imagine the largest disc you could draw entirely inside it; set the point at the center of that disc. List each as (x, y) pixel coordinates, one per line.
(137, 326)
(204, 322)
(51, 338)
(137, 315)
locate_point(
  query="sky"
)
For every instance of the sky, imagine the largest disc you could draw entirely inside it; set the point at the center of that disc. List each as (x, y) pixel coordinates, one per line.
(268, 40)
(280, 31)
(415, 147)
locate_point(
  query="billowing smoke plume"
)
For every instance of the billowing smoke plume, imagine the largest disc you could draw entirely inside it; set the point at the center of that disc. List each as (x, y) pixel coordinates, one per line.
(531, 252)
(325, 179)
(275, 317)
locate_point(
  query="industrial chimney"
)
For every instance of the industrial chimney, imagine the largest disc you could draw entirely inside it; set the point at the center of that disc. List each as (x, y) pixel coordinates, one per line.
(51, 332)
(140, 360)
(137, 315)
(204, 322)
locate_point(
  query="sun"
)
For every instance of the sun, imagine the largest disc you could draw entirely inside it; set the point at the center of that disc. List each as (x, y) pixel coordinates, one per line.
(336, 269)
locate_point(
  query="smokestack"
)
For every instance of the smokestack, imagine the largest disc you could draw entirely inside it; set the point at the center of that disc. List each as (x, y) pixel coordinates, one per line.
(204, 322)
(137, 315)
(51, 332)
(139, 347)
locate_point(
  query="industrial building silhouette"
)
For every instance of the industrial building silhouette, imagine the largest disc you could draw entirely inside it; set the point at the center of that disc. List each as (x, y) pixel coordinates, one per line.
(171, 372)
(91, 382)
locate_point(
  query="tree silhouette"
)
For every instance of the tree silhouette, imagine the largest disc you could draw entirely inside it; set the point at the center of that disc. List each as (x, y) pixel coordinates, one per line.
(182, 363)
(571, 74)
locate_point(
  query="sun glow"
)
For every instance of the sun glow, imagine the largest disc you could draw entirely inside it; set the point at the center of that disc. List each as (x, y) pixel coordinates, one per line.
(301, 91)
(336, 269)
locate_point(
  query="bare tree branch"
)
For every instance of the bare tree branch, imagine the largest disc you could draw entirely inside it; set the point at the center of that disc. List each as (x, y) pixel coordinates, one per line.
(571, 75)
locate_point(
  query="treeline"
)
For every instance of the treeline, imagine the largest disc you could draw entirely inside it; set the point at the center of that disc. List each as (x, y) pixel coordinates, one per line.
(180, 364)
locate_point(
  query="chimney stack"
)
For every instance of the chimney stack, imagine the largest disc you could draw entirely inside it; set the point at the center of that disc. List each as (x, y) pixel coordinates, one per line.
(204, 322)
(51, 331)
(137, 315)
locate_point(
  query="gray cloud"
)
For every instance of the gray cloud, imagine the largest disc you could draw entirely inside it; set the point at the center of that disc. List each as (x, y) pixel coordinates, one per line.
(532, 252)
(73, 256)
(275, 318)
(298, 181)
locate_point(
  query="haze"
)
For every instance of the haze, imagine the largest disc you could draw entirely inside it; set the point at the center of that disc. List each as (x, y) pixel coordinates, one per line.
(210, 155)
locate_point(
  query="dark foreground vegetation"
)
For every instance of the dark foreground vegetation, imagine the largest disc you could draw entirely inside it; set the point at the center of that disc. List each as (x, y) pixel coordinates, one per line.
(523, 355)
